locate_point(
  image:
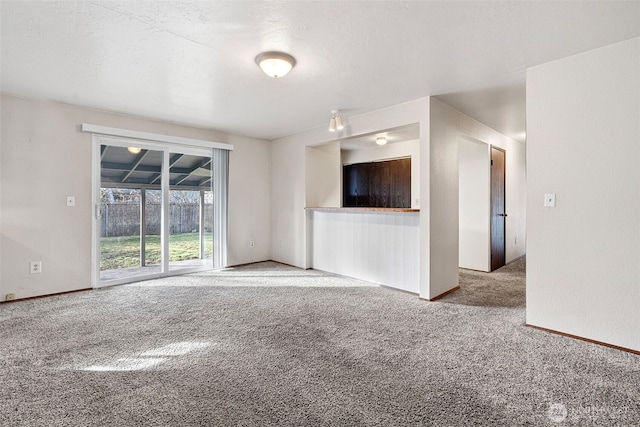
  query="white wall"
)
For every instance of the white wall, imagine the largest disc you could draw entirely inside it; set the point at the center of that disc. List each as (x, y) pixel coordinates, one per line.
(249, 200)
(45, 157)
(322, 175)
(391, 151)
(379, 247)
(583, 143)
(288, 200)
(474, 205)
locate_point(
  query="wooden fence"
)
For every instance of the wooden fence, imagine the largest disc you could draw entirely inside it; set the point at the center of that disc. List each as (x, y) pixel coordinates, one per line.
(123, 219)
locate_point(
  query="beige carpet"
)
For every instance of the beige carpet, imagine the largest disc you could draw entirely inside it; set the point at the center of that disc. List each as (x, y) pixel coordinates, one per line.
(270, 345)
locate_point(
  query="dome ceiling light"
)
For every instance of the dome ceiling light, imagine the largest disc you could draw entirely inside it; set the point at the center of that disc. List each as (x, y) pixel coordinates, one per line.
(275, 64)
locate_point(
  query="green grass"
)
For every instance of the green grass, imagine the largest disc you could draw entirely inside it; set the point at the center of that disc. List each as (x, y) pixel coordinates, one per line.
(121, 252)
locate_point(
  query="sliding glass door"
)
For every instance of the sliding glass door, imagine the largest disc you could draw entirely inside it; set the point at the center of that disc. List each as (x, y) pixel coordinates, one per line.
(155, 210)
(190, 216)
(129, 212)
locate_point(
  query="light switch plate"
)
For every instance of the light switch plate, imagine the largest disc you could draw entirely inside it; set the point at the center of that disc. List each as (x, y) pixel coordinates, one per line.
(550, 200)
(71, 201)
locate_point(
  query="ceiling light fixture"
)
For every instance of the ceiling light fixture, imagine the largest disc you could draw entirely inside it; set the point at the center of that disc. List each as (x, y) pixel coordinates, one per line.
(275, 64)
(134, 150)
(336, 121)
(381, 140)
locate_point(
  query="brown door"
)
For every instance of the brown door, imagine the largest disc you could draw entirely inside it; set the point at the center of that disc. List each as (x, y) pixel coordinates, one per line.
(498, 214)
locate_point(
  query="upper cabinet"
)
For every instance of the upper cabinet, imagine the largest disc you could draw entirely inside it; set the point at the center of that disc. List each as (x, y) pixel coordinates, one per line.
(380, 184)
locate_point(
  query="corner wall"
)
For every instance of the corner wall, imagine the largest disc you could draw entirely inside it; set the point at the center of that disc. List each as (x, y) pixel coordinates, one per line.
(583, 143)
(322, 180)
(474, 205)
(288, 227)
(45, 157)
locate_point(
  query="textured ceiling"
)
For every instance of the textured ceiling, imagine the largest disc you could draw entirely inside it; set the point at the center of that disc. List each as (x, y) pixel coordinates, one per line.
(399, 134)
(193, 62)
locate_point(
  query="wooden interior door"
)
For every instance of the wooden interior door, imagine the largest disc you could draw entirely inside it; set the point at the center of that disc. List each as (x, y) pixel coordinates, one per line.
(498, 214)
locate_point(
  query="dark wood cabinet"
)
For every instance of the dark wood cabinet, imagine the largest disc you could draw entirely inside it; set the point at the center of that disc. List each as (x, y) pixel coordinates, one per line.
(384, 184)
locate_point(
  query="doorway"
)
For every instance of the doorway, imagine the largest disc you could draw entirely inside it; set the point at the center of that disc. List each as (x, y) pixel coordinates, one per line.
(498, 214)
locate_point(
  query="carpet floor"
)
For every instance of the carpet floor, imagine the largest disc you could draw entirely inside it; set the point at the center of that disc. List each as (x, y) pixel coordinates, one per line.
(271, 345)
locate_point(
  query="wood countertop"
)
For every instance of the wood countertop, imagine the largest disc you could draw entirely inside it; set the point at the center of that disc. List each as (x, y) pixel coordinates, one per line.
(382, 210)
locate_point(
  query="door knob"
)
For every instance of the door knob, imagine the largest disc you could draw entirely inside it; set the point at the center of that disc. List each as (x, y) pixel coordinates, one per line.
(503, 214)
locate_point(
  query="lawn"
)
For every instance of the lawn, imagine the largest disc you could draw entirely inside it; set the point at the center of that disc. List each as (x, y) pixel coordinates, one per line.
(120, 252)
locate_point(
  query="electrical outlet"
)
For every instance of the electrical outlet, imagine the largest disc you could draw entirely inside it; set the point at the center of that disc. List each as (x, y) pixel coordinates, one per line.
(252, 244)
(10, 297)
(36, 267)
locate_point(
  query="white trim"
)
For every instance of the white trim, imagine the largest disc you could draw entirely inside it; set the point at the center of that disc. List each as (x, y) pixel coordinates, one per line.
(164, 212)
(106, 130)
(95, 212)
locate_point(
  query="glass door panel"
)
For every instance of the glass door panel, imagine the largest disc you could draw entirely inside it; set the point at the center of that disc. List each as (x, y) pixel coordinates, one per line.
(189, 218)
(153, 228)
(208, 226)
(126, 174)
